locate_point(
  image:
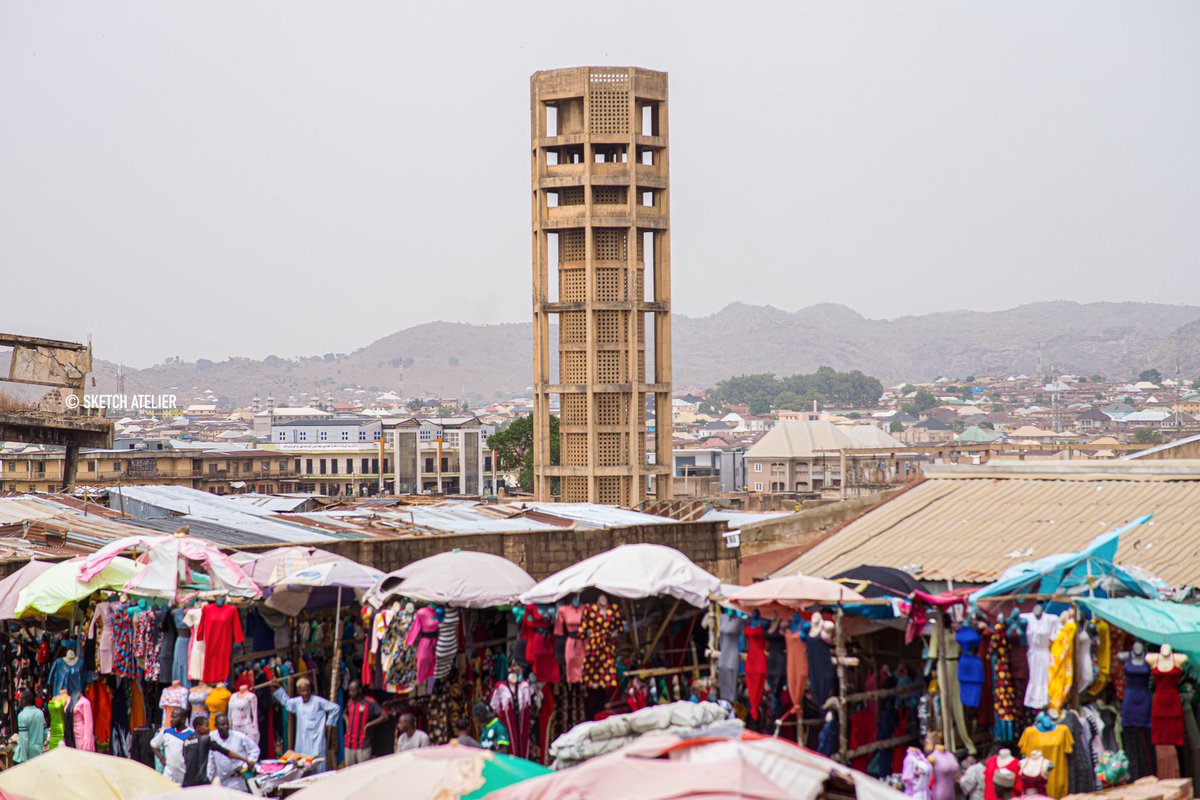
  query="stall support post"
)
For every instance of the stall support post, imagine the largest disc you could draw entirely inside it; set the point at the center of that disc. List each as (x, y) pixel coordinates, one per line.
(337, 648)
(839, 647)
(661, 630)
(939, 626)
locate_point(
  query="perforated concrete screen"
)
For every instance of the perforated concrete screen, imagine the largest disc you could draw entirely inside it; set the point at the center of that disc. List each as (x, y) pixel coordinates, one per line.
(599, 140)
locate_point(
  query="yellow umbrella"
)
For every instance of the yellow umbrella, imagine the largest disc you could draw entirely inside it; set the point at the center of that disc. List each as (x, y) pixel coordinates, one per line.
(60, 587)
(65, 773)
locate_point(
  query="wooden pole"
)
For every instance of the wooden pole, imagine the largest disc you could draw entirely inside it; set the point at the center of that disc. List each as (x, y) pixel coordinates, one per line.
(661, 630)
(337, 647)
(839, 644)
(939, 626)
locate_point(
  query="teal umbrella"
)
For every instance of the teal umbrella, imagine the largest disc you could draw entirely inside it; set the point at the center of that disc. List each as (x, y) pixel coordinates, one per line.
(503, 770)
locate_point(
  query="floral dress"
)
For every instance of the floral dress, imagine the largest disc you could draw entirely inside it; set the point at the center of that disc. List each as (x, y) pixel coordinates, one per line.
(124, 661)
(598, 628)
(147, 642)
(399, 661)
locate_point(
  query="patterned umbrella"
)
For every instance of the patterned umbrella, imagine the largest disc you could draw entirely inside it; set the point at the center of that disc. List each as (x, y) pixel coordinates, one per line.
(165, 563)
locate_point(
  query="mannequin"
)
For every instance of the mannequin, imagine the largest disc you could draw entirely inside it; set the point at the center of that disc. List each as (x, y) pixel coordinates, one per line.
(198, 700)
(1004, 760)
(422, 636)
(1040, 630)
(243, 712)
(67, 673)
(104, 647)
(729, 658)
(195, 659)
(220, 626)
(173, 697)
(820, 661)
(756, 661)
(566, 628)
(58, 707)
(1062, 661)
(80, 714)
(511, 700)
(945, 767)
(537, 629)
(916, 774)
(217, 702)
(1035, 772)
(796, 634)
(598, 627)
(1166, 713)
(1051, 742)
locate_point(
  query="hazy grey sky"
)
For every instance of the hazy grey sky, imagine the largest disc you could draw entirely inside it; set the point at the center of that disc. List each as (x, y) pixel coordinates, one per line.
(244, 178)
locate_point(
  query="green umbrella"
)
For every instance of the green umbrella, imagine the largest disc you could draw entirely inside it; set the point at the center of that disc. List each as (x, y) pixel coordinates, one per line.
(59, 587)
(503, 770)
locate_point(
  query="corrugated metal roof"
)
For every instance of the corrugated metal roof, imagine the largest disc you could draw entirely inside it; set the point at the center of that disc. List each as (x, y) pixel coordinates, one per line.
(737, 519)
(443, 518)
(192, 504)
(969, 524)
(594, 515)
(202, 529)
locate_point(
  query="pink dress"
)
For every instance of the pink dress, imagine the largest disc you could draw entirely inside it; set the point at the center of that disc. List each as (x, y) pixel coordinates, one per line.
(423, 635)
(104, 648)
(243, 714)
(85, 735)
(566, 623)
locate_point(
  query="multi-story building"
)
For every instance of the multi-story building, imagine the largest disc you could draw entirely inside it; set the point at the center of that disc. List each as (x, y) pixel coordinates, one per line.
(447, 455)
(219, 471)
(339, 456)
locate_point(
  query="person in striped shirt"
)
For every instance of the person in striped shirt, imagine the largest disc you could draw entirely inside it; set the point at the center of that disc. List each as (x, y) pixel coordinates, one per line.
(362, 713)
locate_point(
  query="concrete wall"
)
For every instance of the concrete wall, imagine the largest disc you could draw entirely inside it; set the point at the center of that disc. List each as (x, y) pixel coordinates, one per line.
(542, 554)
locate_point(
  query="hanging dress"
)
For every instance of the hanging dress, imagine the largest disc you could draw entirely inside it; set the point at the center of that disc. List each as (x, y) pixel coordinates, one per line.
(1039, 633)
(970, 667)
(1004, 693)
(1166, 711)
(599, 627)
(195, 659)
(756, 663)
(730, 656)
(58, 710)
(104, 648)
(566, 624)
(124, 661)
(422, 635)
(1062, 661)
(797, 669)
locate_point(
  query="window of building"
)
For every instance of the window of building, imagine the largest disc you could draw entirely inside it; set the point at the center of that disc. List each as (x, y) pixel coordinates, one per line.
(304, 436)
(324, 435)
(117, 465)
(297, 465)
(308, 466)
(345, 436)
(758, 467)
(212, 469)
(374, 466)
(266, 465)
(333, 466)
(386, 466)
(282, 436)
(445, 464)
(321, 466)
(349, 466)
(366, 465)
(429, 465)
(758, 487)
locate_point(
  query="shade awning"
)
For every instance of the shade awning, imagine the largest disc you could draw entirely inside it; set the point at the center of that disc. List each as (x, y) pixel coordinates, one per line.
(632, 571)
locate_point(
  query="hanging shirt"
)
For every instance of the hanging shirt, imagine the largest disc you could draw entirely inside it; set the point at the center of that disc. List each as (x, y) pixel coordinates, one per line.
(1055, 745)
(311, 719)
(220, 627)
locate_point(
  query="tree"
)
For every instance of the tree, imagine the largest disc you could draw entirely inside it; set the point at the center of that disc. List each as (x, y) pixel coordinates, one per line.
(1096, 378)
(907, 389)
(1147, 436)
(1151, 375)
(922, 402)
(790, 401)
(896, 427)
(706, 407)
(416, 404)
(759, 407)
(514, 448)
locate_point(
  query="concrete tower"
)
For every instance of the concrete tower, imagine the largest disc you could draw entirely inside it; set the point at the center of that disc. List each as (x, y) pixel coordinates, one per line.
(601, 264)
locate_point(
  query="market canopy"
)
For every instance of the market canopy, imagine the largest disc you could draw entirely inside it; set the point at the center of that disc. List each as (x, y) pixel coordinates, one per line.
(784, 596)
(448, 772)
(321, 586)
(164, 566)
(268, 567)
(632, 571)
(872, 581)
(1158, 622)
(461, 578)
(66, 773)
(1088, 571)
(59, 586)
(10, 587)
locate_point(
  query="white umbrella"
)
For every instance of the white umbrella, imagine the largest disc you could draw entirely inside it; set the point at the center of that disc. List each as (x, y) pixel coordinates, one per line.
(10, 587)
(632, 571)
(460, 578)
(296, 591)
(163, 566)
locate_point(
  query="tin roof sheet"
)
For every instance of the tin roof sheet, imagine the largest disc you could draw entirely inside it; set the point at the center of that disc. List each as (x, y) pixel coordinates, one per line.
(969, 524)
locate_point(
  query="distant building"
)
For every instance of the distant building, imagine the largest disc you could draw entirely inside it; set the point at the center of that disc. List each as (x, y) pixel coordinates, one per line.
(808, 457)
(447, 455)
(709, 470)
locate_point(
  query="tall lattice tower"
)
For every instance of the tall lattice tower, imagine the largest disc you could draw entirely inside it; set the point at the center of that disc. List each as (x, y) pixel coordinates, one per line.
(601, 212)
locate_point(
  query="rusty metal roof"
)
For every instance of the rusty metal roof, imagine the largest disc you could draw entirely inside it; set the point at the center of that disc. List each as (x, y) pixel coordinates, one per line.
(970, 523)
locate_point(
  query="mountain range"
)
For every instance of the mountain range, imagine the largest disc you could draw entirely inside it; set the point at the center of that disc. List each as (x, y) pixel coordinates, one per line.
(485, 362)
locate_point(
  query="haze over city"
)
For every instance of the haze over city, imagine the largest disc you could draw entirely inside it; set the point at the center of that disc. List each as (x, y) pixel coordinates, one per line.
(295, 178)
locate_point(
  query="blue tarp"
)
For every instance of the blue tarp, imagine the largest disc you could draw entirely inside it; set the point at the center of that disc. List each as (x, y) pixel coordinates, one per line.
(1070, 573)
(1155, 621)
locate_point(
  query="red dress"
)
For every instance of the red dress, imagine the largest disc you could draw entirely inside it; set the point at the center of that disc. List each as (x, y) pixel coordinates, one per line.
(1166, 712)
(538, 632)
(220, 627)
(756, 664)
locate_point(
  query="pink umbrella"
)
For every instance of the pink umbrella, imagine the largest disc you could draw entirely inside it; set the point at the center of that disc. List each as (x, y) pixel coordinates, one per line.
(781, 597)
(164, 564)
(267, 568)
(10, 587)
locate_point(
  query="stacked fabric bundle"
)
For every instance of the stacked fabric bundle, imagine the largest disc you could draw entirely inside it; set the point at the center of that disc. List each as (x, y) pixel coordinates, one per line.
(592, 739)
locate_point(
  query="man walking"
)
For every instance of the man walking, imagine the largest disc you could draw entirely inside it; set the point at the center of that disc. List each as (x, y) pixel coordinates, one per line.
(168, 744)
(223, 768)
(196, 752)
(31, 729)
(313, 715)
(362, 714)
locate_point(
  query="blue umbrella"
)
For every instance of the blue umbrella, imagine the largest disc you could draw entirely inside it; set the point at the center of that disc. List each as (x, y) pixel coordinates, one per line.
(1091, 570)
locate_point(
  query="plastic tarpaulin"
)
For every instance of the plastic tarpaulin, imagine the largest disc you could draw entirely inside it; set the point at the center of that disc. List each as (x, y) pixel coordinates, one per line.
(632, 571)
(1092, 568)
(1155, 621)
